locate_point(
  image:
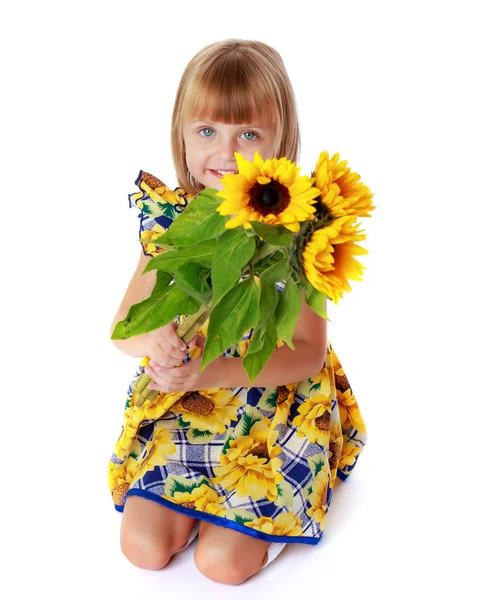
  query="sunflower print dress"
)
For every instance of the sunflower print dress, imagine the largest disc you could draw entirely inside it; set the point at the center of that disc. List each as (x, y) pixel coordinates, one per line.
(261, 461)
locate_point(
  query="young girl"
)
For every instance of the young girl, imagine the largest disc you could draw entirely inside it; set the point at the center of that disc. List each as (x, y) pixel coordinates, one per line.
(251, 469)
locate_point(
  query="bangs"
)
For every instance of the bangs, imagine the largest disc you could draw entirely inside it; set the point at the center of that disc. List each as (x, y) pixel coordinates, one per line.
(226, 95)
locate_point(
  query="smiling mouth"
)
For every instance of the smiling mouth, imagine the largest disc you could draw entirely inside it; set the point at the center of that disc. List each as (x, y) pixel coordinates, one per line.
(218, 174)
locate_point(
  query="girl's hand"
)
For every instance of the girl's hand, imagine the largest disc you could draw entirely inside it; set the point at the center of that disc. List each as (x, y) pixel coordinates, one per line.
(165, 347)
(185, 378)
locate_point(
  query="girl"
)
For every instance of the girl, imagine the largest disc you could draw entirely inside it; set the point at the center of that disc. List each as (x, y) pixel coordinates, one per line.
(251, 469)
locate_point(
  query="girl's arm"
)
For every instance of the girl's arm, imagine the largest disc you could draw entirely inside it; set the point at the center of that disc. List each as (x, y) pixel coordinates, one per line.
(139, 288)
(285, 365)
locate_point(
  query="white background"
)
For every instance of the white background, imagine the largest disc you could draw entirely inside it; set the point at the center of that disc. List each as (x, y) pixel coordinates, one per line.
(87, 94)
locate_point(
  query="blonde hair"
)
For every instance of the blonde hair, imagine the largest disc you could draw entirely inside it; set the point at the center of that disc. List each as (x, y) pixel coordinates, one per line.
(234, 81)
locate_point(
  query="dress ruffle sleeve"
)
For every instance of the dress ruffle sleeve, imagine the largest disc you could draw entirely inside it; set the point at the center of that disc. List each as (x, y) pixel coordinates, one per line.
(159, 206)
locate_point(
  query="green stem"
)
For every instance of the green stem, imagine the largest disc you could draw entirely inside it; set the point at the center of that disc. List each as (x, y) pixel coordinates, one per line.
(186, 332)
(141, 383)
(191, 325)
(264, 250)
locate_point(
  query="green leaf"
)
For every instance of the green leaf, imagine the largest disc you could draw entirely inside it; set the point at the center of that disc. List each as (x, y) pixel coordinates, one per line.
(150, 207)
(269, 295)
(198, 222)
(250, 416)
(164, 304)
(182, 423)
(233, 250)
(240, 515)
(229, 320)
(316, 300)
(316, 463)
(197, 436)
(287, 311)
(229, 436)
(170, 261)
(285, 494)
(193, 279)
(275, 235)
(179, 483)
(259, 354)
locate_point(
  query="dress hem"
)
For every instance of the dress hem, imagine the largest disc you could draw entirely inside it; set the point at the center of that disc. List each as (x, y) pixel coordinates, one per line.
(221, 521)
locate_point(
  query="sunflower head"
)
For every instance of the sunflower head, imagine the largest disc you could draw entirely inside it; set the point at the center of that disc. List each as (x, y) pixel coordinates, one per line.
(328, 257)
(270, 191)
(341, 190)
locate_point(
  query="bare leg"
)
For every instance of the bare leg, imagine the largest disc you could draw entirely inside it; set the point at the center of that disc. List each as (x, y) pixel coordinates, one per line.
(151, 534)
(228, 556)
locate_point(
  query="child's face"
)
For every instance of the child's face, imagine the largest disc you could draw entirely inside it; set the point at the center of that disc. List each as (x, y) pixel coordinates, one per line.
(211, 145)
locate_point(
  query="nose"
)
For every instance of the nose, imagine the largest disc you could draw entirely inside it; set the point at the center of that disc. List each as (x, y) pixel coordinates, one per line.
(226, 149)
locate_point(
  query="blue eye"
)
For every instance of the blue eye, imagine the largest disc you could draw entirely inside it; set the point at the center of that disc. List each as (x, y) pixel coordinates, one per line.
(206, 129)
(248, 139)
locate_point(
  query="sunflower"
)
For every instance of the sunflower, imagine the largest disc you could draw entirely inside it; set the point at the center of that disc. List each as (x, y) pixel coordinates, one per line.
(250, 465)
(202, 498)
(268, 191)
(349, 411)
(318, 497)
(120, 477)
(285, 524)
(135, 415)
(328, 257)
(208, 410)
(152, 234)
(157, 450)
(318, 383)
(284, 401)
(314, 419)
(340, 189)
(348, 453)
(335, 447)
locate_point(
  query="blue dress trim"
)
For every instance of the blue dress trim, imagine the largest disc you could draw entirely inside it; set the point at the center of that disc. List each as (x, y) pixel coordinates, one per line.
(221, 521)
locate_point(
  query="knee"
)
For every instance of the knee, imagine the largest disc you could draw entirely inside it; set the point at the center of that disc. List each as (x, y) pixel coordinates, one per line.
(147, 553)
(216, 565)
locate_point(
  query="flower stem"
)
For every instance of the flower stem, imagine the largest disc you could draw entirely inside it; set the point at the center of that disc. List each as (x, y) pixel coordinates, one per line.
(186, 332)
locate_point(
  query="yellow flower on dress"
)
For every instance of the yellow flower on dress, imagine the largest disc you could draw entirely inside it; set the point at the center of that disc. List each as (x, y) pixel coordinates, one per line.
(314, 419)
(284, 401)
(120, 477)
(349, 453)
(335, 448)
(208, 410)
(155, 189)
(284, 524)
(318, 383)
(349, 411)
(328, 257)
(202, 498)
(270, 191)
(319, 496)
(134, 415)
(152, 234)
(126, 439)
(340, 189)
(250, 465)
(157, 450)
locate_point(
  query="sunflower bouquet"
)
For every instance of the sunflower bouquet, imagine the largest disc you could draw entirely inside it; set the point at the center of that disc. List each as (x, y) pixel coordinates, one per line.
(222, 257)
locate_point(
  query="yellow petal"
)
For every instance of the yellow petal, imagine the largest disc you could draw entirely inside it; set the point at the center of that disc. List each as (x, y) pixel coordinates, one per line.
(246, 168)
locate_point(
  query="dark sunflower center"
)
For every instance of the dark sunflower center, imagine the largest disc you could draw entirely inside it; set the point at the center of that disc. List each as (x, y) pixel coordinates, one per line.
(270, 198)
(323, 422)
(283, 394)
(197, 404)
(261, 450)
